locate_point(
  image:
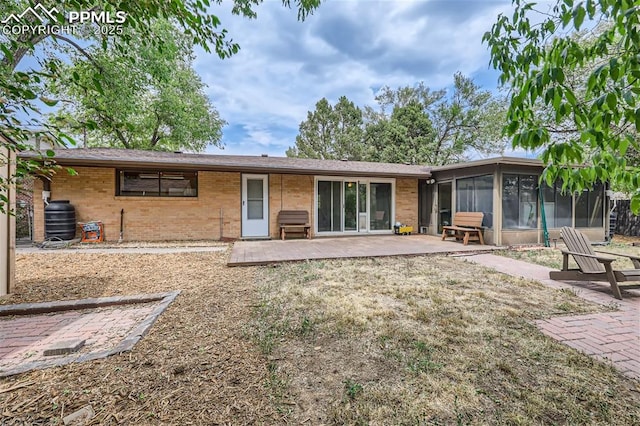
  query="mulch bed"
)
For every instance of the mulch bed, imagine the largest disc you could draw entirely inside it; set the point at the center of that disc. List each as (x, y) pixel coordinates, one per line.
(196, 365)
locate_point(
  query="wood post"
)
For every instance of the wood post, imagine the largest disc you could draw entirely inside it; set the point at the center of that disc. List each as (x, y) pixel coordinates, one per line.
(7, 221)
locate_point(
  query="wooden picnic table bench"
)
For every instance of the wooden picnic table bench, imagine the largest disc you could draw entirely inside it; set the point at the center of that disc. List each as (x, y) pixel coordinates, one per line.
(467, 226)
(294, 221)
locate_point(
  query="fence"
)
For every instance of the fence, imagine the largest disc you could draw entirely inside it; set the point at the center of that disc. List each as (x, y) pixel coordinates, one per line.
(626, 222)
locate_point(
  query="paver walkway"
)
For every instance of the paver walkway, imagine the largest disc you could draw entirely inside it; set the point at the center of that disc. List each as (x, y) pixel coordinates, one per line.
(609, 336)
(104, 330)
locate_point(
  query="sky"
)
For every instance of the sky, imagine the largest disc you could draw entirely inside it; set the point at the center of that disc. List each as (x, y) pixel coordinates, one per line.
(347, 47)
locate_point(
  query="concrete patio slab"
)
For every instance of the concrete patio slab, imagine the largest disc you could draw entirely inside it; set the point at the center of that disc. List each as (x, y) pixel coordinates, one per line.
(247, 253)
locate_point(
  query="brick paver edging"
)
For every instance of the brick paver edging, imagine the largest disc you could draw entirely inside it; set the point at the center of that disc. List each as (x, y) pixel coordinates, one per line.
(74, 305)
(125, 344)
(612, 336)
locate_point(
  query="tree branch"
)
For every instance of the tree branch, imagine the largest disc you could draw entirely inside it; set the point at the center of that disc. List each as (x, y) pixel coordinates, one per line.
(121, 137)
(81, 50)
(155, 138)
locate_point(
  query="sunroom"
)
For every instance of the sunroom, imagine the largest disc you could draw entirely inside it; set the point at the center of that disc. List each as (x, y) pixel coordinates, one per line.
(506, 190)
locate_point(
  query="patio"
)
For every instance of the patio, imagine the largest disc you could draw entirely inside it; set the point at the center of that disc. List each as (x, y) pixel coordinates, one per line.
(249, 253)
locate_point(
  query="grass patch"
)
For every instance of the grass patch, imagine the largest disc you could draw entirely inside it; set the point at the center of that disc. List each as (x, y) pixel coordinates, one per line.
(431, 340)
(552, 256)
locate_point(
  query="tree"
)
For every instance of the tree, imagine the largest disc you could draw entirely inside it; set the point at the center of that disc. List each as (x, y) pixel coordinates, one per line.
(430, 127)
(330, 133)
(150, 98)
(404, 137)
(412, 124)
(21, 90)
(595, 123)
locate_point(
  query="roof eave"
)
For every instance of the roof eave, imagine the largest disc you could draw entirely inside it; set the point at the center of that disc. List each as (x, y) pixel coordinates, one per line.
(516, 161)
(74, 162)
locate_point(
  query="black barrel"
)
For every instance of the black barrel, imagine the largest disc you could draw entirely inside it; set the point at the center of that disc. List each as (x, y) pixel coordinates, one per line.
(60, 220)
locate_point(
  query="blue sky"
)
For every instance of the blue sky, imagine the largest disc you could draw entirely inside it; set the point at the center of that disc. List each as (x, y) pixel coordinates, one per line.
(346, 47)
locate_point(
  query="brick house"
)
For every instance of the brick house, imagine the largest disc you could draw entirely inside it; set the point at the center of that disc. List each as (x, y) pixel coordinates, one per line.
(176, 196)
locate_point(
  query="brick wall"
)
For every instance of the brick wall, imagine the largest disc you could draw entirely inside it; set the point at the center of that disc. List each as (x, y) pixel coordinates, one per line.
(289, 192)
(92, 192)
(407, 202)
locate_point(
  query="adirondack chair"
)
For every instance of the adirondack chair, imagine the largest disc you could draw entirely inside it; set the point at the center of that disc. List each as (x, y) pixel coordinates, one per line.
(592, 266)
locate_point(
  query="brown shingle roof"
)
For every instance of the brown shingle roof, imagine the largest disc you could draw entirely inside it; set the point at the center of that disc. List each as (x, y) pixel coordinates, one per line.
(124, 158)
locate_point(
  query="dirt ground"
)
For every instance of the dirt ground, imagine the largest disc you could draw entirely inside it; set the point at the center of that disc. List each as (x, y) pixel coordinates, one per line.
(407, 340)
(196, 365)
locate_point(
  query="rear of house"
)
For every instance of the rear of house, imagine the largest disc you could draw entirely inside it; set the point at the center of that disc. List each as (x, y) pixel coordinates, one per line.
(175, 196)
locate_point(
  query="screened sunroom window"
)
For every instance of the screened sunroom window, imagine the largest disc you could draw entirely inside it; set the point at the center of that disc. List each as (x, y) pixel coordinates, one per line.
(476, 195)
(519, 201)
(557, 206)
(589, 206)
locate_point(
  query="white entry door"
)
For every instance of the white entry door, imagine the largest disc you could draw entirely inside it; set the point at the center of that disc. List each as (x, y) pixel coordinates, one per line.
(255, 206)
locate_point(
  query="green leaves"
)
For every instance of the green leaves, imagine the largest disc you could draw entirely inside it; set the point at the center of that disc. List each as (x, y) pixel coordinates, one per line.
(413, 124)
(145, 98)
(48, 101)
(578, 16)
(331, 132)
(579, 102)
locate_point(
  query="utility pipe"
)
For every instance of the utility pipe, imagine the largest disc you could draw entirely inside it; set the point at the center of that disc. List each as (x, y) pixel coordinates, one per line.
(121, 226)
(221, 225)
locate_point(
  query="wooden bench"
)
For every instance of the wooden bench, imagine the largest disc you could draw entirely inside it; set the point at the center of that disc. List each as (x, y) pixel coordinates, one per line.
(294, 221)
(467, 226)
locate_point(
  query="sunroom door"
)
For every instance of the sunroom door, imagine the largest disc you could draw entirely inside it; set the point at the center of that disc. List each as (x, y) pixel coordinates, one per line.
(255, 206)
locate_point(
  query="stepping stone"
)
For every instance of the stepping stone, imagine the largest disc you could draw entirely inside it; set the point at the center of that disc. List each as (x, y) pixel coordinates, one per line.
(64, 347)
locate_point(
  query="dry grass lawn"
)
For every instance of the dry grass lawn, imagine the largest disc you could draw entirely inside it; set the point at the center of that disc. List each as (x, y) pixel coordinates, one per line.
(419, 340)
(552, 256)
(427, 340)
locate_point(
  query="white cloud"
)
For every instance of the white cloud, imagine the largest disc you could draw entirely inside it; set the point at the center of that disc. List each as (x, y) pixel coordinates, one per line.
(349, 48)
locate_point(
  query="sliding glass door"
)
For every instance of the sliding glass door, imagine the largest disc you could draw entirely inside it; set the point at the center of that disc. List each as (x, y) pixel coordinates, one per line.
(329, 200)
(354, 205)
(380, 206)
(350, 206)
